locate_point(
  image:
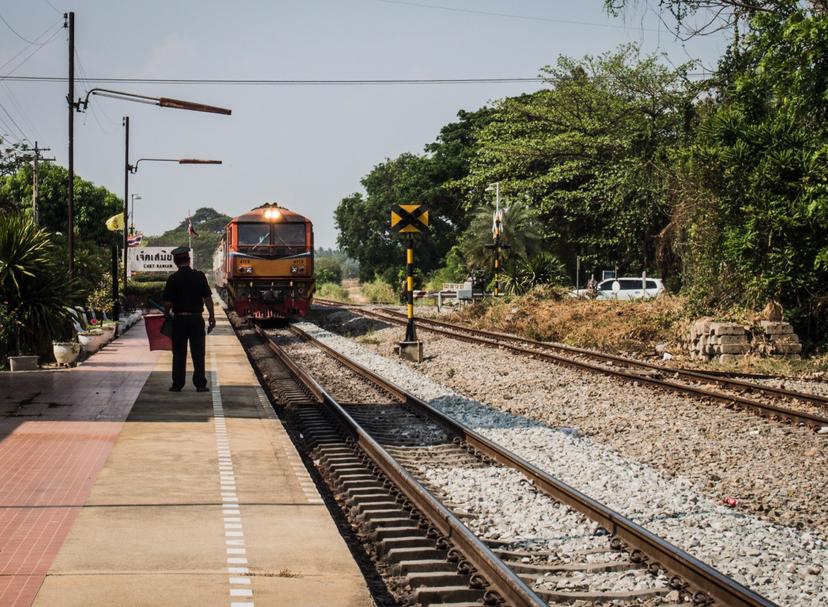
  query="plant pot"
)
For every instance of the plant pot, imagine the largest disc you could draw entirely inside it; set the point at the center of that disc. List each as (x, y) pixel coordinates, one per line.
(108, 333)
(90, 342)
(23, 363)
(66, 352)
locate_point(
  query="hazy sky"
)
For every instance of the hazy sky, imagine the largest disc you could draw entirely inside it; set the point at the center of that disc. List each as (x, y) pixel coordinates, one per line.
(303, 146)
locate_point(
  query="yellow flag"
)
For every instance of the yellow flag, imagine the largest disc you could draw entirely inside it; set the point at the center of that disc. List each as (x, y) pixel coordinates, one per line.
(115, 223)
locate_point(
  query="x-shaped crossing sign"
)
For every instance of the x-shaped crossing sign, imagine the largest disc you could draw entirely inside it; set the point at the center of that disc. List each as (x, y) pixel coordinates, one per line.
(409, 218)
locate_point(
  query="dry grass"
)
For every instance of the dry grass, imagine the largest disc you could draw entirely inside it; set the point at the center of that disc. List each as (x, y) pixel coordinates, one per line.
(633, 327)
(612, 326)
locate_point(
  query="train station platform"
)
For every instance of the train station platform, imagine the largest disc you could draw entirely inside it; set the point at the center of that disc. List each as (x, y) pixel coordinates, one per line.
(115, 491)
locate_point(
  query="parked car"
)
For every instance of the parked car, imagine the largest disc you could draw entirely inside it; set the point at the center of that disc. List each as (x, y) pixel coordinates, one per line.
(626, 288)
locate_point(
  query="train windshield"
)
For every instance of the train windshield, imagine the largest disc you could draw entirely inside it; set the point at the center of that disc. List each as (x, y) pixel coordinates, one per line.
(272, 240)
(254, 234)
(289, 234)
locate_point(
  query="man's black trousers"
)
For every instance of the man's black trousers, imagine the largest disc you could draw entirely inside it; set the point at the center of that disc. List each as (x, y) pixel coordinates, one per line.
(188, 328)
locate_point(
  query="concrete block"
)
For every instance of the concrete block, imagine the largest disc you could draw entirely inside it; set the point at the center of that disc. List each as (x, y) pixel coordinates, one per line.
(702, 327)
(733, 339)
(726, 328)
(785, 338)
(787, 348)
(733, 348)
(776, 328)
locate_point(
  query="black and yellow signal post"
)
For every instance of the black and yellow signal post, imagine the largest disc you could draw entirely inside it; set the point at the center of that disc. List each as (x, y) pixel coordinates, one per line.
(410, 219)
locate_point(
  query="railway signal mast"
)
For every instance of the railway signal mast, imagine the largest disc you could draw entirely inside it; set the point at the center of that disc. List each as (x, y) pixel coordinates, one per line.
(497, 232)
(410, 219)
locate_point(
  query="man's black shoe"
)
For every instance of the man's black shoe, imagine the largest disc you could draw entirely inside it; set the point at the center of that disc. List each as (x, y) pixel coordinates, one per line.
(203, 389)
(174, 389)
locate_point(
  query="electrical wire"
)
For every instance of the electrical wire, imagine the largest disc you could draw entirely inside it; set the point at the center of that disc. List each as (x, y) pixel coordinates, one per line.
(512, 16)
(14, 122)
(52, 6)
(14, 31)
(39, 46)
(266, 82)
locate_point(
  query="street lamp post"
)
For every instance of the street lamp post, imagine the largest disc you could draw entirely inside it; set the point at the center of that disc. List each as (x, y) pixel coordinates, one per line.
(133, 168)
(132, 199)
(82, 104)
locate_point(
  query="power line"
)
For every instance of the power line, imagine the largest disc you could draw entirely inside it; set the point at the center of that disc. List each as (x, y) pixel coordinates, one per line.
(514, 16)
(267, 82)
(39, 46)
(14, 122)
(52, 6)
(13, 31)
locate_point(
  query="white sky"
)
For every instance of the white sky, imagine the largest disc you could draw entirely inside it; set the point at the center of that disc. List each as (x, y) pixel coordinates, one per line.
(303, 146)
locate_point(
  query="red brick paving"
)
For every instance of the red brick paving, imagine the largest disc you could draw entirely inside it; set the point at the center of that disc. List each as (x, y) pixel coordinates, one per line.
(56, 431)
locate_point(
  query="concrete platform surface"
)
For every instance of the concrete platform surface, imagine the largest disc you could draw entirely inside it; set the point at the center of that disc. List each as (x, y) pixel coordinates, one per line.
(196, 499)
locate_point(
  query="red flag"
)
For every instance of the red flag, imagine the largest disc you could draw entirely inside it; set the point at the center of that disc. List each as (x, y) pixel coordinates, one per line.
(190, 229)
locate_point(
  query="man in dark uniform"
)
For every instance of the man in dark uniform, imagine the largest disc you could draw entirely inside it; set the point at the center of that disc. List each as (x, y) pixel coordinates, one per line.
(185, 295)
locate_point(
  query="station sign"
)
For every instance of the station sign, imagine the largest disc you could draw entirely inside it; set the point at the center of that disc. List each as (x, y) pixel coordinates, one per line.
(151, 259)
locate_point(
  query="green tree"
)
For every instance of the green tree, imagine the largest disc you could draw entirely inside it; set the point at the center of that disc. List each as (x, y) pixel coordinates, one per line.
(430, 179)
(327, 269)
(592, 153)
(760, 158)
(93, 204)
(208, 223)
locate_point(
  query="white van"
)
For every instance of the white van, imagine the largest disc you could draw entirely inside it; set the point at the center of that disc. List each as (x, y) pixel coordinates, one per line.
(626, 288)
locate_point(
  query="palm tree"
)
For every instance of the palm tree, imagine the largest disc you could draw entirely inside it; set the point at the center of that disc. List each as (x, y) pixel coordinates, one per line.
(520, 232)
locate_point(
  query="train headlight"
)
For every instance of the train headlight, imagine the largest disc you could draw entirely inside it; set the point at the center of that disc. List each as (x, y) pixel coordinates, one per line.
(246, 270)
(293, 269)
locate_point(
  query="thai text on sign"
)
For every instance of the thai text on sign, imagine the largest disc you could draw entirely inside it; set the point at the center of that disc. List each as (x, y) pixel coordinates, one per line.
(151, 259)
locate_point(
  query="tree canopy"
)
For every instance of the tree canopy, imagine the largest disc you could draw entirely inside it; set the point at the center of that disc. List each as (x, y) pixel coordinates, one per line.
(208, 223)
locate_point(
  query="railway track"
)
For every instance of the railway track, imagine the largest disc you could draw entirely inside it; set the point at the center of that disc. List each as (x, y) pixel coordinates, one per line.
(810, 409)
(408, 442)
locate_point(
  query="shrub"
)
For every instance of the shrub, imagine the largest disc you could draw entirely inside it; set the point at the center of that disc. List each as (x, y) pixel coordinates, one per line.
(379, 292)
(138, 294)
(149, 277)
(328, 270)
(33, 287)
(101, 297)
(330, 290)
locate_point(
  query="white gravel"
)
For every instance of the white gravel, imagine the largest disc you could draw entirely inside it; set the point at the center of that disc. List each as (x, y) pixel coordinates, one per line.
(788, 566)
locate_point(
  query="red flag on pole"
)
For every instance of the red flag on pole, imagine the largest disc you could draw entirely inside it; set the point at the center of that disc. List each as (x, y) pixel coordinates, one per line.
(190, 229)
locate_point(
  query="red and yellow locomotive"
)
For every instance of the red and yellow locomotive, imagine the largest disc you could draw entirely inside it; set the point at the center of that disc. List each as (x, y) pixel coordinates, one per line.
(263, 266)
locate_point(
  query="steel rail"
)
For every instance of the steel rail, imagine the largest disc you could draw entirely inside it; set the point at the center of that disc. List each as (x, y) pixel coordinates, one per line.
(764, 409)
(699, 375)
(504, 581)
(678, 562)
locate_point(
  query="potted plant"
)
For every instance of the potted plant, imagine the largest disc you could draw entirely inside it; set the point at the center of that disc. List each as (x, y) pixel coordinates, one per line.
(33, 288)
(66, 352)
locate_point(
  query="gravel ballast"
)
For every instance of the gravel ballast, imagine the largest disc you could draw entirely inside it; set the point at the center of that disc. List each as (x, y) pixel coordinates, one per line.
(783, 563)
(773, 471)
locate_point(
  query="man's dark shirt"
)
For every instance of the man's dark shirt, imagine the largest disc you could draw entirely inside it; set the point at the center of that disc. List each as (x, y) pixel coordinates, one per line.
(186, 289)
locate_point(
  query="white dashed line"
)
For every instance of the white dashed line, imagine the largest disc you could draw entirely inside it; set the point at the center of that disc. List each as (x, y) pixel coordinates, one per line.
(233, 529)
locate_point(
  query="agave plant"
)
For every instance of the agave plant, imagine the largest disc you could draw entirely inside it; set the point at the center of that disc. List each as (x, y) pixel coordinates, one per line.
(33, 286)
(543, 269)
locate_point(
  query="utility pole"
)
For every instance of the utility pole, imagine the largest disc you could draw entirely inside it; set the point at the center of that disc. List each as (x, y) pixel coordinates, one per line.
(35, 183)
(70, 98)
(127, 169)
